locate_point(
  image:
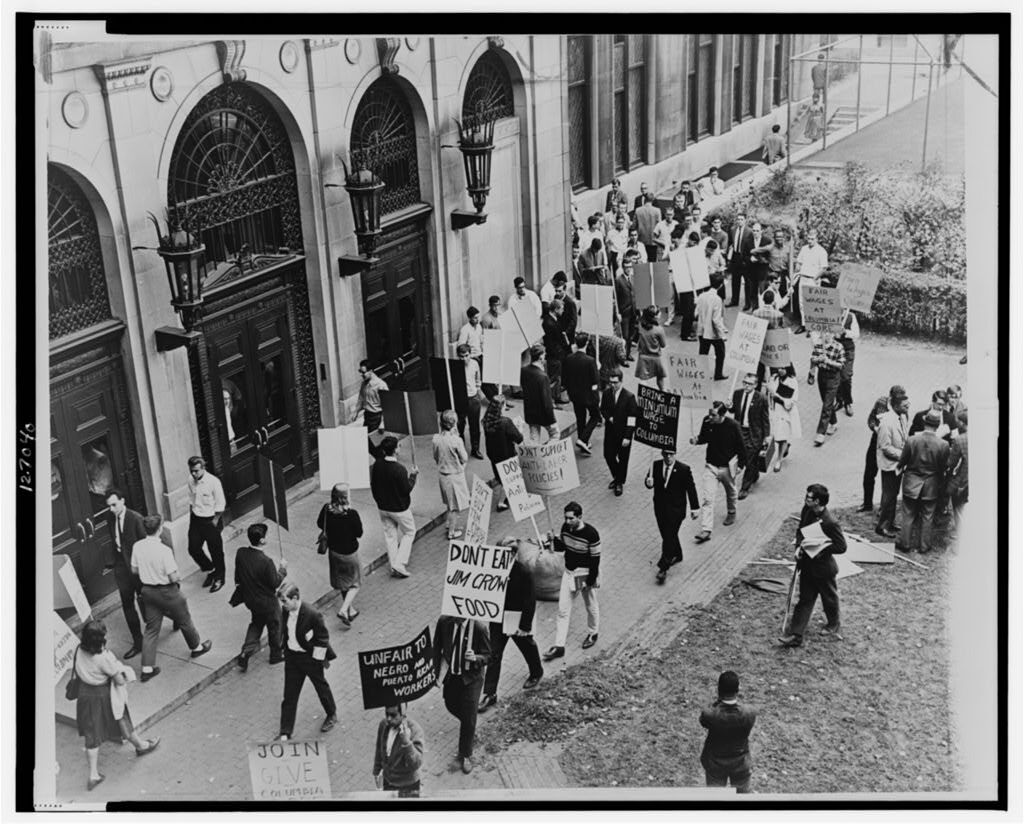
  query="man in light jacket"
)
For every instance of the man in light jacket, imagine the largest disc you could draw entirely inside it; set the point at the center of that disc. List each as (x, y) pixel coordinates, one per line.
(711, 328)
(892, 435)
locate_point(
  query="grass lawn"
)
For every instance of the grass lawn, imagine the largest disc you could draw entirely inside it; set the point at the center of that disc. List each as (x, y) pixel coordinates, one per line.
(868, 714)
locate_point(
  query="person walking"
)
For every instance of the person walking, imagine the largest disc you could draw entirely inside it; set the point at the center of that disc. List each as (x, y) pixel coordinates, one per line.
(580, 544)
(398, 755)
(462, 650)
(711, 329)
(581, 378)
(206, 505)
(153, 562)
(620, 411)
(450, 456)
(650, 344)
(725, 442)
(256, 582)
(342, 528)
(827, 360)
(892, 435)
(848, 340)
(556, 347)
(519, 625)
(474, 400)
(879, 408)
(726, 754)
(307, 654)
(125, 529)
(672, 482)
(101, 709)
(501, 436)
(538, 407)
(817, 567)
(391, 486)
(750, 409)
(783, 393)
(923, 463)
(368, 404)
(625, 300)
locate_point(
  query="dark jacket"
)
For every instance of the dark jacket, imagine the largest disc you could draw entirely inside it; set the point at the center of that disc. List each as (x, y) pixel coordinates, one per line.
(258, 578)
(737, 262)
(755, 265)
(556, 345)
(917, 424)
(822, 565)
(310, 630)
(619, 415)
(501, 440)
(538, 409)
(391, 485)
(956, 486)
(133, 531)
(580, 377)
(680, 487)
(727, 747)
(343, 529)
(519, 594)
(924, 459)
(758, 414)
(724, 440)
(625, 297)
(480, 644)
(402, 767)
(570, 317)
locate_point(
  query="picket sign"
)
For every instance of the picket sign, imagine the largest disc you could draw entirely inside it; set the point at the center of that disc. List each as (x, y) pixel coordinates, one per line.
(596, 309)
(821, 308)
(743, 350)
(691, 375)
(344, 457)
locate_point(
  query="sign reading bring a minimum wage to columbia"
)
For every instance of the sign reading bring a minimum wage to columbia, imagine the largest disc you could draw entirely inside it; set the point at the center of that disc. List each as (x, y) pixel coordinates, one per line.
(289, 771)
(475, 580)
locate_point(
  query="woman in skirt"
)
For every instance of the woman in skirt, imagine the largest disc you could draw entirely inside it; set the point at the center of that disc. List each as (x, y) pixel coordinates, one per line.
(651, 344)
(343, 528)
(783, 392)
(102, 709)
(451, 458)
(500, 438)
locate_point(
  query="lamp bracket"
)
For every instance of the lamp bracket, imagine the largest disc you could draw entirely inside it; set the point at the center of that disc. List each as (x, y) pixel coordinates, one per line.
(169, 338)
(461, 218)
(349, 265)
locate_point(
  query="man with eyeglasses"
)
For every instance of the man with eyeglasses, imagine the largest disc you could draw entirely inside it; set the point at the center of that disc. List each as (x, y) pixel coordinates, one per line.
(307, 654)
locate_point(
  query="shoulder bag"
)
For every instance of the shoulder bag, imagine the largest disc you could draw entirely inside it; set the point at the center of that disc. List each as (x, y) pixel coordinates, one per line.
(71, 690)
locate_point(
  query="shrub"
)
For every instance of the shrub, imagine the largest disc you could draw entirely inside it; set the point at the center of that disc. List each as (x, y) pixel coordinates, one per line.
(920, 304)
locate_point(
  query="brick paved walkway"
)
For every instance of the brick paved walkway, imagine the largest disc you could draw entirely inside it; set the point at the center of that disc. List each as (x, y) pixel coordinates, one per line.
(203, 753)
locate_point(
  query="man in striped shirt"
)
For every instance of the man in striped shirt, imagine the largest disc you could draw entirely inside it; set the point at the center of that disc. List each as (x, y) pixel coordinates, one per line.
(827, 359)
(581, 544)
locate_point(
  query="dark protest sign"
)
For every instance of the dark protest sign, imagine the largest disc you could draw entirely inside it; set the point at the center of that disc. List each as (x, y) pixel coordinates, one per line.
(658, 421)
(422, 412)
(439, 374)
(395, 674)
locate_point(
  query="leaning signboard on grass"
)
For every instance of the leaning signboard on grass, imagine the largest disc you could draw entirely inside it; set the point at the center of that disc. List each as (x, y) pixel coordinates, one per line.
(522, 503)
(475, 580)
(395, 674)
(549, 468)
(743, 351)
(658, 421)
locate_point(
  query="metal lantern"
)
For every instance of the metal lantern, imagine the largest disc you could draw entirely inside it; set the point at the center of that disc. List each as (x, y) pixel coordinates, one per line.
(476, 142)
(184, 256)
(364, 190)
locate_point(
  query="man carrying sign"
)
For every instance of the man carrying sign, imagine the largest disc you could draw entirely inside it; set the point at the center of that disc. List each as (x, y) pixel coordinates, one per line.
(462, 648)
(581, 544)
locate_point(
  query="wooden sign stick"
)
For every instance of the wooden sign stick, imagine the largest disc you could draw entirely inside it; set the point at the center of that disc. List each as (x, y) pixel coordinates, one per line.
(277, 515)
(408, 421)
(536, 530)
(551, 523)
(448, 373)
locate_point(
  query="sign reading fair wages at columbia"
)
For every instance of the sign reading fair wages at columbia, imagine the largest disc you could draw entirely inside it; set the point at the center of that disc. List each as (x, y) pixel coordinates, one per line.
(743, 351)
(691, 375)
(475, 580)
(658, 421)
(289, 771)
(395, 674)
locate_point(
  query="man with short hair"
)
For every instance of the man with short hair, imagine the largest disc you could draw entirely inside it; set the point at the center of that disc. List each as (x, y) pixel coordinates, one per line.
(391, 486)
(827, 359)
(580, 545)
(617, 239)
(611, 218)
(725, 442)
(125, 530)
(206, 510)
(779, 254)
(750, 409)
(923, 462)
(880, 407)
(625, 300)
(594, 264)
(755, 266)
(663, 234)
(647, 217)
(726, 754)
(538, 407)
(641, 198)
(810, 265)
(774, 147)
(848, 338)
(892, 435)
(472, 333)
(711, 329)
(474, 399)
(307, 653)
(585, 237)
(369, 403)
(634, 247)
(524, 298)
(695, 223)
(492, 317)
(616, 195)
(256, 583)
(956, 471)
(819, 78)
(556, 347)
(612, 356)
(940, 404)
(462, 650)
(672, 482)
(153, 562)
(398, 755)
(580, 375)
(620, 410)
(817, 568)
(687, 195)
(570, 311)
(714, 183)
(739, 239)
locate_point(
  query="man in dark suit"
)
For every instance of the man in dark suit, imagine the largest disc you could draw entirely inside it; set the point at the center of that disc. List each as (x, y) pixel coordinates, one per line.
(581, 379)
(726, 753)
(619, 410)
(625, 300)
(462, 649)
(307, 653)
(641, 198)
(125, 529)
(947, 424)
(738, 238)
(556, 347)
(520, 609)
(672, 482)
(755, 250)
(923, 463)
(616, 195)
(750, 409)
(256, 583)
(817, 568)
(538, 408)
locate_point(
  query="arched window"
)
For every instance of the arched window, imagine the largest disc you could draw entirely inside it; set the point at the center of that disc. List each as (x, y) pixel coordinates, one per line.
(384, 134)
(78, 286)
(489, 89)
(232, 176)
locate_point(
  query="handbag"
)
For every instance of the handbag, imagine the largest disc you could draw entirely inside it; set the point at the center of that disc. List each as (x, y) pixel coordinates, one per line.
(71, 690)
(765, 456)
(321, 543)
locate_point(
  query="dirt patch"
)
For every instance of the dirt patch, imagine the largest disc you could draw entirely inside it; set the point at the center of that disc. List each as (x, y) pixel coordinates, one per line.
(868, 714)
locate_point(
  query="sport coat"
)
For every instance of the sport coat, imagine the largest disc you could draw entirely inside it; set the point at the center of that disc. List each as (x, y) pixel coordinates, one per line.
(673, 496)
(647, 218)
(520, 595)
(758, 414)
(735, 251)
(619, 415)
(756, 265)
(570, 317)
(402, 767)
(556, 344)
(580, 376)
(625, 298)
(258, 578)
(480, 643)
(948, 418)
(538, 408)
(924, 459)
(133, 531)
(311, 633)
(822, 565)
(727, 746)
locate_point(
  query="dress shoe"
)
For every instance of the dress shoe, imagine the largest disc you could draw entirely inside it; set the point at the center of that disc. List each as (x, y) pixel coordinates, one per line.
(243, 662)
(532, 682)
(135, 650)
(553, 653)
(151, 744)
(799, 330)
(791, 641)
(504, 506)
(886, 533)
(204, 648)
(276, 659)
(153, 673)
(344, 619)
(618, 490)
(95, 782)
(722, 378)
(329, 723)
(963, 360)
(590, 640)
(848, 410)
(702, 537)
(217, 585)
(210, 579)
(865, 508)
(743, 494)
(612, 484)
(732, 304)
(660, 577)
(467, 765)
(831, 632)
(487, 702)
(584, 447)
(730, 519)
(400, 573)
(476, 454)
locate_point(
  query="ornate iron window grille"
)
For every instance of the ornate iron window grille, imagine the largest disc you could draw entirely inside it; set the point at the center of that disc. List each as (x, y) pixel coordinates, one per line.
(579, 113)
(488, 90)
(384, 129)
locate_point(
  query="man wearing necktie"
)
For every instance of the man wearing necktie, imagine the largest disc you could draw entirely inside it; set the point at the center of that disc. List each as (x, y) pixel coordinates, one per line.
(750, 409)
(462, 648)
(734, 255)
(672, 482)
(125, 530)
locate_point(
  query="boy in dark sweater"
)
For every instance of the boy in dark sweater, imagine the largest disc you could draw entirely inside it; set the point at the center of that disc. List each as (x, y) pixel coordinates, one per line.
(725, 441)
(391, 486)
(581, 544)
(256, 583)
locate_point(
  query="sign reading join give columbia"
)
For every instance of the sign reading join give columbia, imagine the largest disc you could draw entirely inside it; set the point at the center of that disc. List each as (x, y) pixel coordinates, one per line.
(289, 771)
(395, 674)
(475, 580)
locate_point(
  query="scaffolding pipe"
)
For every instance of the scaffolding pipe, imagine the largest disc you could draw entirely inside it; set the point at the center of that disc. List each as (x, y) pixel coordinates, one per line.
(860, 77)
(876, 62)
(824, 107)
(789, 114)
(913, 84)
(888, 89)
(927, 111)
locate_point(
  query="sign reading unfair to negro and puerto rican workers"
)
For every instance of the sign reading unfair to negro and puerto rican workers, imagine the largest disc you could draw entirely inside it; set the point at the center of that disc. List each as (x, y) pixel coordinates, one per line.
(775, 352)
(658, 421)
(522, 503)
(395, 674)
(858, 283)
(743, 351)
(549, 468)
(821, 308)
(475, 580)
(289, 771)
(691, 375)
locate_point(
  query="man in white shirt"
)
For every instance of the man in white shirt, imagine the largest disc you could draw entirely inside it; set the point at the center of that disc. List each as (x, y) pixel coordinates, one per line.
(594, 229)
(617, 239)
(471, 412)
(633, 244)
(525, 298)
(620, 209)
(713, 183)
(810, 265)
(153, 562)
(663, 232)
(711, 329)
(307, 653)
(492, 317)
(207, 503)
(472, 333)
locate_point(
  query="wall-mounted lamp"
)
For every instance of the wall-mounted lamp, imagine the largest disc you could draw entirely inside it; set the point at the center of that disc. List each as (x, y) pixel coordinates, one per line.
(476, 142)
(364, 190)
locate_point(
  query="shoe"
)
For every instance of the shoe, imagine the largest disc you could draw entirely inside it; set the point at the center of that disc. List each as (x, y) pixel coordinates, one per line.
(675, 561)
(722, 378)
(612, 484)
(819, 440)
(832, 429)
(276, 659)
(590, 640)
(886, 533)
(660, 577)
(553, 653)
(153, 673)
(329, 723)
(799, 330)
(210, 579)
(345, 619)
(400, 573)
(135, 650)
(743, 494)
(353, 613)
(217, 585)
(467, 765)
(203, 649)
(618, 490)
(791, 641)
(777, 467)
(503, 506)
(487, 702)
(532, 682)
(455, 534)
(584, 447)
(865, 508)
(476, 453)
(95, 782)
(732, 304)
(730, 519)
(704, 536)
(283, 736)
(963, 360)
(151, 744)
(848, 410)
(832, 632)
(243, 662)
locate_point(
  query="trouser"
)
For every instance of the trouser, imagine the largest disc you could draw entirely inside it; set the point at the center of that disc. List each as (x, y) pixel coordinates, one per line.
(372, 420)
(828, 385)
(626, 324)
(461, 699)
(127, 588)
(887, 506)
(566, 595)
(537, 432)
(810, 588)
(844, 396)
(870, 469)
(472, 414)
(706, 344)
(917, 512)
(652, 252)
(669, 523)
(958, 503)
(615, 454)
(795, 302)
(200, 530)
(269, 617)
(687, 305)
(399, 531)
(408, 791)
(719, 775)
(298, 666)
(527, 646)
(752, 446)
(752, 282)
(737, 277)
(587, 416)
(158, 602)
(712, 477)
(554, 364)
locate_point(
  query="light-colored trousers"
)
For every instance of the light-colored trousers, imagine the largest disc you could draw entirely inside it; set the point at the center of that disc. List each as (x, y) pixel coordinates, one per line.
(566, 595)
(399, 531)
(713, 476)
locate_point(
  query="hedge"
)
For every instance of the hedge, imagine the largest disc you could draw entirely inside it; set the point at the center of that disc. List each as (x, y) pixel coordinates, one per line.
(920, 304)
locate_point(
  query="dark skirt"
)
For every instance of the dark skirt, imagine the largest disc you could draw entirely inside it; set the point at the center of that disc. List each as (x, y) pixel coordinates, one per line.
(346, 572)
(96, 722)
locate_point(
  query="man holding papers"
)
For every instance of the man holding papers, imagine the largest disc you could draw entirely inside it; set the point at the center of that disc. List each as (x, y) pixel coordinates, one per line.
(818, 538)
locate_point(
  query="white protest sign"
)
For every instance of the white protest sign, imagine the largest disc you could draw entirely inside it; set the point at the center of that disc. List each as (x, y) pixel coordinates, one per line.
(289, 771)
(690, 374)
(821, 308)
(680, 266)
(479, 518)
(549, 468)
(743, 350)
(596, 309)
(72, 587)
(503, 353)
(344, 457)
(775, 352)
(522, 503)
(525, 320)
(65, 642)
(858, 283)
(698, 263)
(475, 580)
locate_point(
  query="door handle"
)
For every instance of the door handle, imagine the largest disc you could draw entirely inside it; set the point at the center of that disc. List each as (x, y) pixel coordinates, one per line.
(79, 532)
(90, 529)
(266, 437)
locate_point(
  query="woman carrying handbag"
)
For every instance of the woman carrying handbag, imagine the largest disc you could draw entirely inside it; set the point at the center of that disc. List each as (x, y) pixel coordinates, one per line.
(340, 531)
